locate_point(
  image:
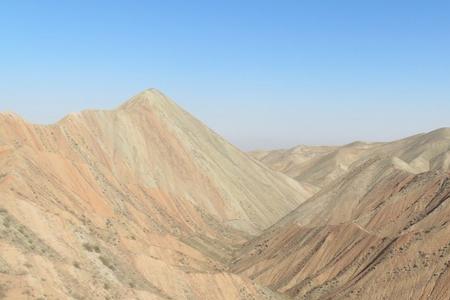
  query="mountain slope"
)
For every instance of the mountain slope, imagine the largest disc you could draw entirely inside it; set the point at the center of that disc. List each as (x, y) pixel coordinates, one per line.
(379, 231)
(320, 165)
(315, 165)
(394, 243)
(151, 141)
(141, 202)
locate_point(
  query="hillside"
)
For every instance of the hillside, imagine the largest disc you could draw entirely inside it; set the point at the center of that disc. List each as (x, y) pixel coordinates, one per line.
(116, 204)
(145, 202)
(320, 165)
(379, 231)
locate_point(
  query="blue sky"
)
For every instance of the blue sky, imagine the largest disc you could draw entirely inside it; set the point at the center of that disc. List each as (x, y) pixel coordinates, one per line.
(264, 74)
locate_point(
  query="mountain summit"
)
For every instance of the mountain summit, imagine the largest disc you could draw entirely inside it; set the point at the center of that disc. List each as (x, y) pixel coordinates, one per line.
(114, 203)
(147, 98)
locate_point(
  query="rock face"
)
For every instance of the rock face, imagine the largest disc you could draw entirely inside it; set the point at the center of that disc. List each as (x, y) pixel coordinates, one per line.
(379, 231)
(141, 202)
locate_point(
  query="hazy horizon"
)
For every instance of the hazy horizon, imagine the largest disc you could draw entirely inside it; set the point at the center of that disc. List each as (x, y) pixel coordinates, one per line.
(262, 75)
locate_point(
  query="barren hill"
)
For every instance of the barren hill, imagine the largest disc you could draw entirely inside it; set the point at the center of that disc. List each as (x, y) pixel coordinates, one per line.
(379, 231)
(146, 202)
(320, 165)
(139, 202)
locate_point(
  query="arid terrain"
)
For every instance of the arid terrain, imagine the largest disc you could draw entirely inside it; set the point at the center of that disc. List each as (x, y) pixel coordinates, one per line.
(146, 202)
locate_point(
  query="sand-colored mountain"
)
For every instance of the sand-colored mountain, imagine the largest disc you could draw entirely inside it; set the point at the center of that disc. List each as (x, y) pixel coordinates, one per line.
(379, 231)
(146, 202)
(320, 165)
(140, 202)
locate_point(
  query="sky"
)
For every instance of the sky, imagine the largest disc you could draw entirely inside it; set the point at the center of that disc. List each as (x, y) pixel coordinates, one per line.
(263, 74)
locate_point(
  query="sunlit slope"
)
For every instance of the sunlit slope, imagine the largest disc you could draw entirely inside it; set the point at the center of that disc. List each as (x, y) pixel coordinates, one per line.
(320, 165)
(141, 202)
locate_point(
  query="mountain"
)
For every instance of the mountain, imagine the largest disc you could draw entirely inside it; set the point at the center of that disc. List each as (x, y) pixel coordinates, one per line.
(140, 202)
(146, 202)
(320, 165)
(378, 231)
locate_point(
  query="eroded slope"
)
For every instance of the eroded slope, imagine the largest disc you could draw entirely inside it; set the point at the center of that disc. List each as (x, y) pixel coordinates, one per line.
(142, 202)
(376, 233)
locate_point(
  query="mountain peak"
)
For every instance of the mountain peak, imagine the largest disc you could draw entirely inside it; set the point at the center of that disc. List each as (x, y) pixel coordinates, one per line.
(147, 98)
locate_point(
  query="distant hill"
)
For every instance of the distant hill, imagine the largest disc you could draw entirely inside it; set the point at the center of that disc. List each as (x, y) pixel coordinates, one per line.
(378, 229)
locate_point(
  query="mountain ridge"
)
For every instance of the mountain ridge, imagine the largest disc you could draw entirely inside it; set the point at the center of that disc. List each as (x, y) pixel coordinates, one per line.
(144, 201)
(378, 230)
(116, 203)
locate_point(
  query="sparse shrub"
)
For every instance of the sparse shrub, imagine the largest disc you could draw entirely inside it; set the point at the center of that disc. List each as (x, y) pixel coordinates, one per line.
(87, 246)
(107, 262)
(91, 248)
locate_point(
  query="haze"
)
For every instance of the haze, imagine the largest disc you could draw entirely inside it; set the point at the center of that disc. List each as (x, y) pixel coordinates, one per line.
(262, 74)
